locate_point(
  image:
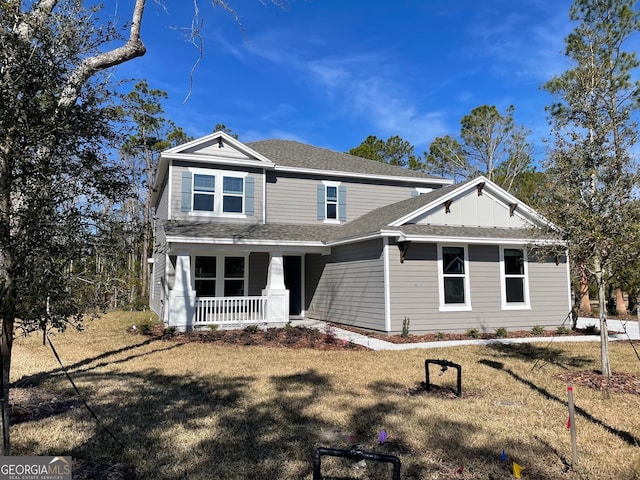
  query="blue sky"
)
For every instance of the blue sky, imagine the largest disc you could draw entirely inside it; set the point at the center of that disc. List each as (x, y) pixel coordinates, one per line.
(331, 72)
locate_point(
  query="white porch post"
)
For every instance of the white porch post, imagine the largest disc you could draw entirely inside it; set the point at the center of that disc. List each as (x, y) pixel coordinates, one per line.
(182, 298)
(276, 292)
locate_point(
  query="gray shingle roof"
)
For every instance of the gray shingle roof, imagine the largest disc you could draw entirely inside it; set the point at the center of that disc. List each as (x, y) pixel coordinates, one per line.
(289, 153)
(276, 232)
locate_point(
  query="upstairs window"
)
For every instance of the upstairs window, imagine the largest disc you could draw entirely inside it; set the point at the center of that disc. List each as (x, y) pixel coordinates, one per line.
(453, 273)
(332, 202)
(219, 193)
(204, 191)
(232, 194)
(513, 278)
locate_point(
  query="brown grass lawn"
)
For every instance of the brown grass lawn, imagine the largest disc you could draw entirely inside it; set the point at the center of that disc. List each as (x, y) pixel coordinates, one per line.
(207, 411)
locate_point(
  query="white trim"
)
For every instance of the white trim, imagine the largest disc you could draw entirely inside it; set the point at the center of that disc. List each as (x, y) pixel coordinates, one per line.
(454, 307)
(526, 305)
(332, 173)
(387, 285)
(264, 196)
(169, 193)
(423, 190)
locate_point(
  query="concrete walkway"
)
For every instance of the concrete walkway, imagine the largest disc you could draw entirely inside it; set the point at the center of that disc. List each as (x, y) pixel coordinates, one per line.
(625, 331)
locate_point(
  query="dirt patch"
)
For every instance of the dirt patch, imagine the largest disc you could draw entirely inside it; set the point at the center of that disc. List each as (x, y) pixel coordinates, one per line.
(29, 404)
(617, 383)
(287, 337)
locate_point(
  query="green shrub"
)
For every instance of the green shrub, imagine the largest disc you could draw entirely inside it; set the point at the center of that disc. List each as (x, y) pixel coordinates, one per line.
(171, 331)
(562, 330)
(405, 327)
(441, 335)
(146, 327)
(501, 332)
(213, 327)
(537, 330)
(473, 333)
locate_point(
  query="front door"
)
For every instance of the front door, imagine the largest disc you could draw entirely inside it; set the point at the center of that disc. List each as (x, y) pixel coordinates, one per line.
(293, 282)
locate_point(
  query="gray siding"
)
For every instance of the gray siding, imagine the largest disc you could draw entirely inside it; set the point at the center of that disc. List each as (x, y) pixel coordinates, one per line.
(162, 209)
(176, 196)
(415, 293)
(347, 286)
(156, 296)
(285, 191)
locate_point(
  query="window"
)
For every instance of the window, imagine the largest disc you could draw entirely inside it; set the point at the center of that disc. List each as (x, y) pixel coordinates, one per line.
(222, 193)
(233, 276)
(204, 189)
(513, 278)
(332, 202)
(454, 278)
(205, 276)
(230, 270)
(232, 192)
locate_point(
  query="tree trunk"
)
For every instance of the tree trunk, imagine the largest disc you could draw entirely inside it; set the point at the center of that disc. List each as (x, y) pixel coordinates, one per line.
(604, 331)
(621, 307)
(6, 346)
(585, 301)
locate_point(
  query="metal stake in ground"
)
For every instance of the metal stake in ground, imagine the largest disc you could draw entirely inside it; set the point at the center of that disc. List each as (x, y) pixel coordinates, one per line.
(572, 427)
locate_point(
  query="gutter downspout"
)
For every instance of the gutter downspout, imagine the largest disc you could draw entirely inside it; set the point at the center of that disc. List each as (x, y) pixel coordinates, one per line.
(387, 285)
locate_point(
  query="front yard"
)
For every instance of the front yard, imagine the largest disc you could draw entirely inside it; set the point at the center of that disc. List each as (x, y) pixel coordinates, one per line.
(199, 410)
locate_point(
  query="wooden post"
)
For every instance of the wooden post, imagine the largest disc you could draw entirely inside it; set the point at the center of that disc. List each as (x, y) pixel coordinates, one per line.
(572, 427)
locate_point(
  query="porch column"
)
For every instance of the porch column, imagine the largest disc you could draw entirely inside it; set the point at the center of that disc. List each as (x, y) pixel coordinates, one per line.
(276, 292)
(182, 298)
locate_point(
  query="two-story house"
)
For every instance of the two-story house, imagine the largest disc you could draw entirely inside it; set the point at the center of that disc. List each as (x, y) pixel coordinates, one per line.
(267, 231)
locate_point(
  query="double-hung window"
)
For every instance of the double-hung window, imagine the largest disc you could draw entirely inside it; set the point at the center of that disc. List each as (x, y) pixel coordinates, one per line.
(332, 202)
(220, 276)
(453, 270)
(513, 278)
(217, 192)
(204, 192)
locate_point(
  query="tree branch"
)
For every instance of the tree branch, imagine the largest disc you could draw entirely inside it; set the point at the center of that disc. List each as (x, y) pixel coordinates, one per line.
(89, 66)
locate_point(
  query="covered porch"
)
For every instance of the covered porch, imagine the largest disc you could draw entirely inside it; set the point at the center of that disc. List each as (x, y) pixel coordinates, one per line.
(231, 288)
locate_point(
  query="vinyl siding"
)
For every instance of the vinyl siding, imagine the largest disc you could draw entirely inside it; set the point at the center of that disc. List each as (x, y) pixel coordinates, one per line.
(159, 265)
(162, 209)
(348, 286)
(284, 191)
(176, 195)
(415, 293)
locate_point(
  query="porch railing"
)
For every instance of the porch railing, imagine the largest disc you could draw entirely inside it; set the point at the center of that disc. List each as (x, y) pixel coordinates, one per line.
(230, 311)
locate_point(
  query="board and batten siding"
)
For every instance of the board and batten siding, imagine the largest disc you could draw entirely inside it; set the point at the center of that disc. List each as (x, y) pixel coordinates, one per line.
(287, 191)
(176, 195)
(473, 210)
(415, 293)
(348, 286)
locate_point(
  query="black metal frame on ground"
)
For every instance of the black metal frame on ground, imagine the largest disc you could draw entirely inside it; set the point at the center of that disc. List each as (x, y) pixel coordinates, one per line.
(354, 454)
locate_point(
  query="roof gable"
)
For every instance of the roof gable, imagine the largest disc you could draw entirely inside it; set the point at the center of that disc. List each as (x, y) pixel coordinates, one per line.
(475, 203)
(218, 147)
